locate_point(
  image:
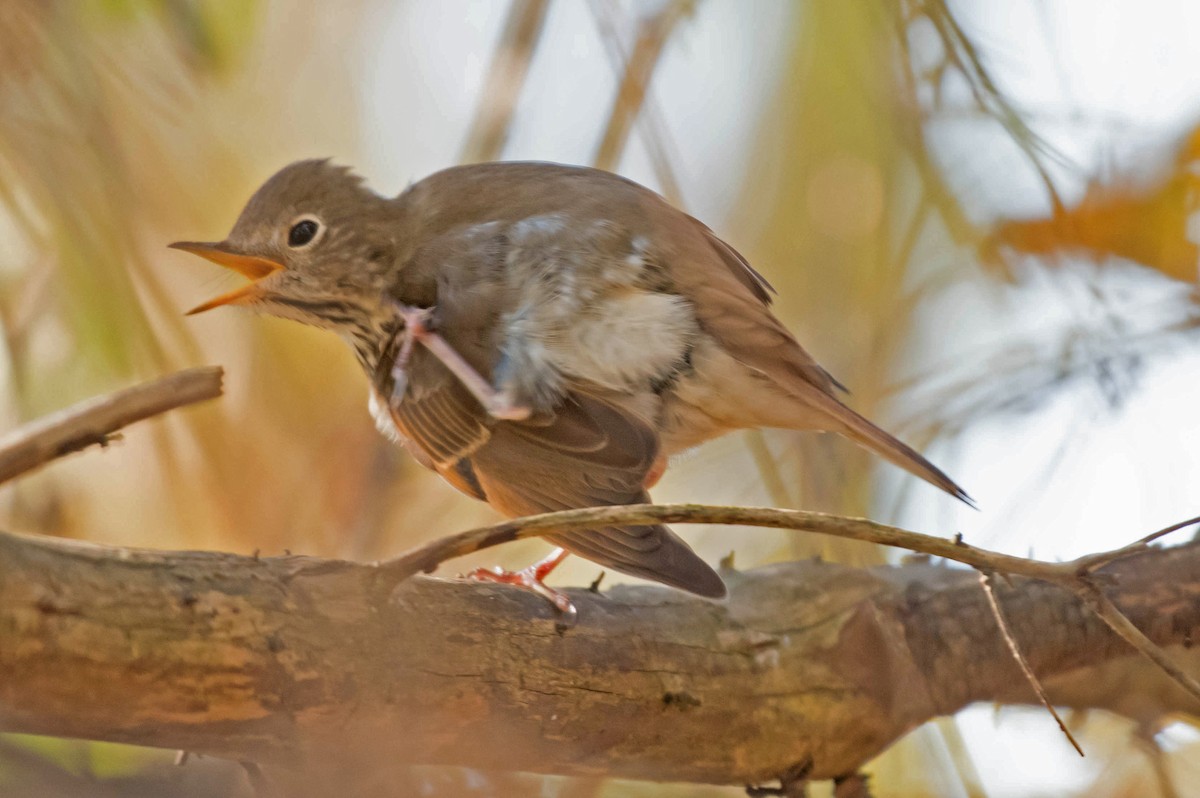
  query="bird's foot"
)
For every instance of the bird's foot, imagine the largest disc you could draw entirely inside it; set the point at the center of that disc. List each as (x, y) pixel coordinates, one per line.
(416, 321)
(531, 579)
(657, 469)
(503, 407)
(418, 327)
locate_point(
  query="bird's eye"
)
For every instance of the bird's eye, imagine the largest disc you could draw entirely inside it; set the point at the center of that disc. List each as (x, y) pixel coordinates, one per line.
(303, 233)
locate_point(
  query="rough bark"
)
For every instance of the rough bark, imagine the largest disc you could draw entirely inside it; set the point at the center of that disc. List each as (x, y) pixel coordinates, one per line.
(319, 668)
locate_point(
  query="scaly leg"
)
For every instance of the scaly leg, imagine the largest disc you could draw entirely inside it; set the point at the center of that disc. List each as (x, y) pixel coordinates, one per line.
(499, 404)
(531, 579)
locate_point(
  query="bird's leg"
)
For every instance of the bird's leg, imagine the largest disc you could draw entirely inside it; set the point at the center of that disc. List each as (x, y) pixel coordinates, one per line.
(657, 469)
(531, 579)
(499, 404)
(400, 364)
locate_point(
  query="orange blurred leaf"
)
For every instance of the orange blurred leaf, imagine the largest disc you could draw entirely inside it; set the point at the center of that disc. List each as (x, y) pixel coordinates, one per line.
(1138, 221)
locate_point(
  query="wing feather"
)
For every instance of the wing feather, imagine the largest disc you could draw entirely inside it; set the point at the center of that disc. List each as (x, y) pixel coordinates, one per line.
(589, 454)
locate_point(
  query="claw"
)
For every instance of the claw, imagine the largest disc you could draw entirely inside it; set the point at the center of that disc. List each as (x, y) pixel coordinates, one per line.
(531, 579)
(503, 407)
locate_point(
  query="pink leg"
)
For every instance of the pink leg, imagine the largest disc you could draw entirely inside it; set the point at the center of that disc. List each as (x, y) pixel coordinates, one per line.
(416, 327)
(657, 469)
(400, 366)
(531, 579)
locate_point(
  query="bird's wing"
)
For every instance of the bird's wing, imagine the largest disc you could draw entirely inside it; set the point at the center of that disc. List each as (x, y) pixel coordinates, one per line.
(585, 453)
(439, 421)
(590, 453)
(731, 302)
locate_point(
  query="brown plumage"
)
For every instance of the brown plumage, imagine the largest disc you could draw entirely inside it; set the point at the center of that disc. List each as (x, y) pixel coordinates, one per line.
(613, 329)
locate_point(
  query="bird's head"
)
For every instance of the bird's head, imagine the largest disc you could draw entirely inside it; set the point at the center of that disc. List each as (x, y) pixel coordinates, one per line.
(317, 246)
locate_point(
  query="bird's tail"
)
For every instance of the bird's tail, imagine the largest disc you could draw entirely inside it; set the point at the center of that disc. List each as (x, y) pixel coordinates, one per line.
(650, 552)
(887, 446)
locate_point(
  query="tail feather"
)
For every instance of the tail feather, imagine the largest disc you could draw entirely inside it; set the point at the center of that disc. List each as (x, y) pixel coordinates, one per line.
(866, 434)
(658, 554)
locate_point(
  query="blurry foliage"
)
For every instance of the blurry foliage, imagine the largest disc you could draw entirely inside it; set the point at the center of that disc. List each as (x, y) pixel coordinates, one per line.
(212, 36)
(1147, 221)
(125, 124)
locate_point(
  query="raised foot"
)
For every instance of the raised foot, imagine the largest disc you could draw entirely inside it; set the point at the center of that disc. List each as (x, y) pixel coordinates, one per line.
(418, 328)
(531, 579)
(503, 407)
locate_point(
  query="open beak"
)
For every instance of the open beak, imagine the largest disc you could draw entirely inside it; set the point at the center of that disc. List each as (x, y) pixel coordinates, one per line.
(251, 266)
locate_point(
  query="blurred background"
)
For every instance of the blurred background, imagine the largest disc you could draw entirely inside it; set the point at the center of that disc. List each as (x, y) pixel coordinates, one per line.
(979, 217)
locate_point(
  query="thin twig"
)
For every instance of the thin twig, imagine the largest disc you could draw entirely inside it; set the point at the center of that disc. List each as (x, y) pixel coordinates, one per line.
(961, 52)
(768, 468)
(654, 129)
(653, 35)
(912, 135)
(1109, 613)
(427, 557)
(1091, 562)
(95, 420)
(989, 590)
(505, 79)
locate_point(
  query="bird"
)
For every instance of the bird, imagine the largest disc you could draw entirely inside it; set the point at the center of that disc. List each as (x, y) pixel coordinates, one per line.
(543, 336)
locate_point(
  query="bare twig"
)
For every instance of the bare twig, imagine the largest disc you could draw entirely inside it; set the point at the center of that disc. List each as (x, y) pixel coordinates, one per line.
(505, 78)
(961, 52)
(426, 558)
(1109, 613)
(989, 589)
(912, 135)
(1091, 562)
(654, 129)
(768, 468)
(639, 69)
(95, 420)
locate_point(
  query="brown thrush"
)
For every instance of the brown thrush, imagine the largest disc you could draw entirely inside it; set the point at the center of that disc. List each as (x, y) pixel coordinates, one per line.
(542, 336)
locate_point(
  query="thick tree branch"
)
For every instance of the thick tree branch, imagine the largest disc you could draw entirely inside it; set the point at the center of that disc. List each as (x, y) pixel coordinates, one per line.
(315, 667)
(95, 420)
